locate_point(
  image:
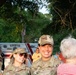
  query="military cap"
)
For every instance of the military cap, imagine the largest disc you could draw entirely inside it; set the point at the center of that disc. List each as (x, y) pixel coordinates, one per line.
(18, 50)
(46, 39)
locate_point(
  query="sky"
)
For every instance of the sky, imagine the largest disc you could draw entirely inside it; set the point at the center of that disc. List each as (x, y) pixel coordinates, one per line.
(44, 10)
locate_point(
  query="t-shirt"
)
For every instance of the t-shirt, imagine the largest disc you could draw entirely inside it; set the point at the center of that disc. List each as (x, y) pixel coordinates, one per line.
(66, 69)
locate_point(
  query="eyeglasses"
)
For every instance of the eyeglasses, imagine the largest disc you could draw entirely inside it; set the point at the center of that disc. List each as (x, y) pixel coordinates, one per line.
(23, 54)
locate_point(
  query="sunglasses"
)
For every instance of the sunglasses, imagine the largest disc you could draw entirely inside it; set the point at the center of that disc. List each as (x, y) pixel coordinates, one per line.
(23, 54)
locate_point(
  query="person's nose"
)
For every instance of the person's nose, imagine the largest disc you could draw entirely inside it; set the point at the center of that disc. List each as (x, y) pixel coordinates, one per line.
(46, 48)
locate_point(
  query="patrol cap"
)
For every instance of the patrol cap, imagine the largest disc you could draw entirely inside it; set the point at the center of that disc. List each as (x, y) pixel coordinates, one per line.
(18, 50)
(46, 39)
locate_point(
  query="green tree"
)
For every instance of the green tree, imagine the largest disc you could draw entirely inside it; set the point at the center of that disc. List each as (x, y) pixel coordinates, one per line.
(16, 19)
(64, 15)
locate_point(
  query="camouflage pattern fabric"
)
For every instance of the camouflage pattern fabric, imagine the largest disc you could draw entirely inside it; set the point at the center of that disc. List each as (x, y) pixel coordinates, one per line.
(45, 67)
(12, 70)
(0, 67)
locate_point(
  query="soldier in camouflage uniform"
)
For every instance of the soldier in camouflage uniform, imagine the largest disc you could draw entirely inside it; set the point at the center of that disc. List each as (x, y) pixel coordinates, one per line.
(47, 65)
(17, 66)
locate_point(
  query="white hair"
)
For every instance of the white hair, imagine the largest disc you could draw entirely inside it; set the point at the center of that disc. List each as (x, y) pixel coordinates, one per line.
(68, 47)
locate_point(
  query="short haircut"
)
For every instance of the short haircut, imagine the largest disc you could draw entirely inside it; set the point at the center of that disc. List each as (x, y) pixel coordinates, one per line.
(68, 47)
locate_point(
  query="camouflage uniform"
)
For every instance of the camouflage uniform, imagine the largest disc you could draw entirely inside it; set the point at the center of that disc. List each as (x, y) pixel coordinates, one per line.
(45, 67)
(12, 70)
(0, 67)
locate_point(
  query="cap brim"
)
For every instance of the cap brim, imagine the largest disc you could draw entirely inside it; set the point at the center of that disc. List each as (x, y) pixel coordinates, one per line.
(46, 43)
(16, 52)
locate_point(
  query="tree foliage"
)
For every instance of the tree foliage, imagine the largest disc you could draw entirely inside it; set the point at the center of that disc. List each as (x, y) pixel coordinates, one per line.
(22, 15)
(64, 15)
(22, 18)
(63, 20)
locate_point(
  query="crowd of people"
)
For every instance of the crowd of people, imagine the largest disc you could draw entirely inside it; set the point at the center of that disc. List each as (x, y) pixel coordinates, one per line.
(44, 62)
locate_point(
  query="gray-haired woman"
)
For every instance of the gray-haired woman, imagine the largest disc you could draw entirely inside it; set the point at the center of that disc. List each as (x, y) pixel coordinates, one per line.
(68, 49)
